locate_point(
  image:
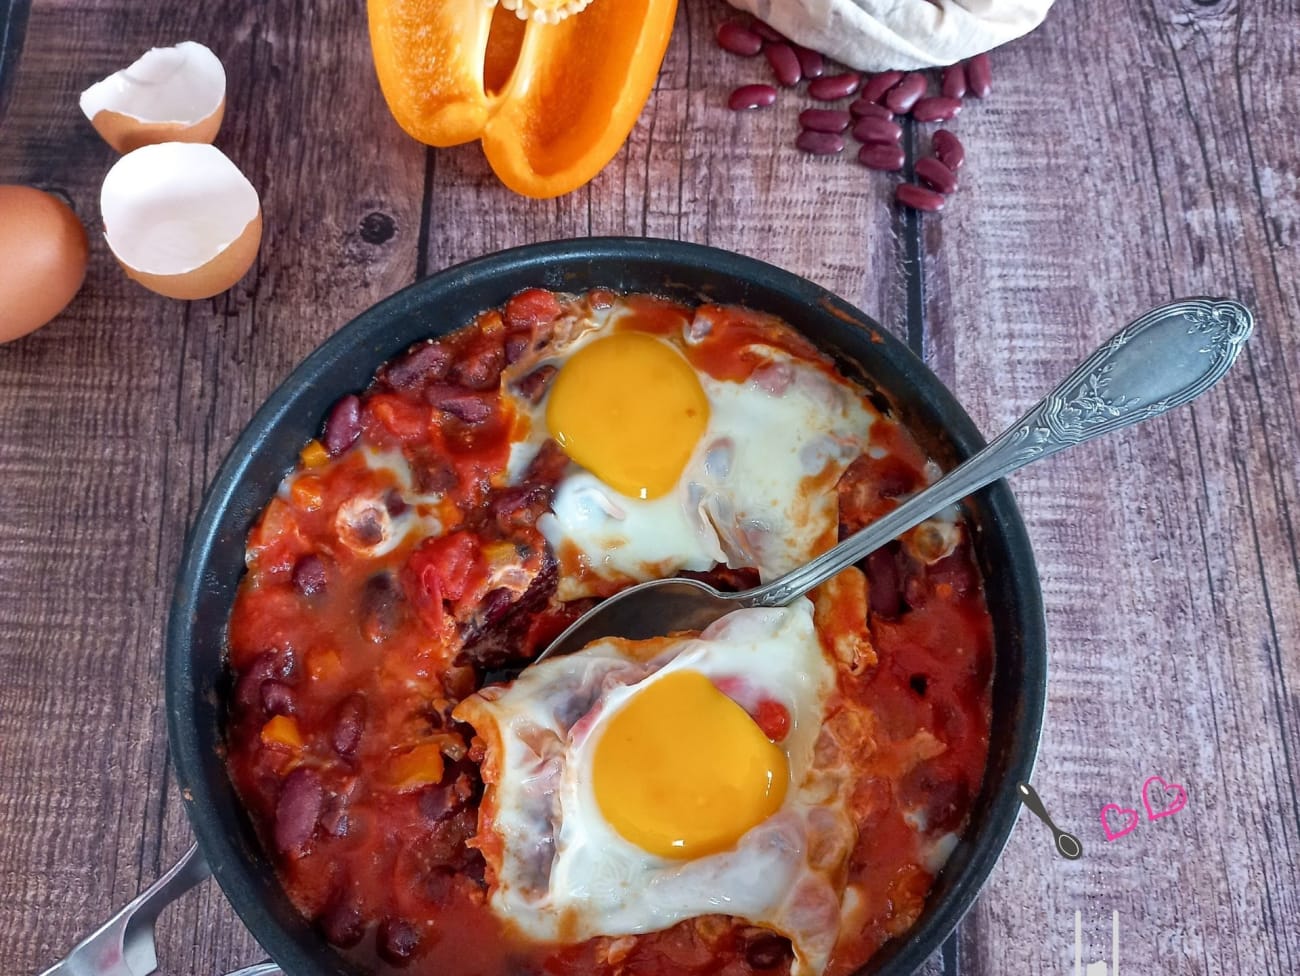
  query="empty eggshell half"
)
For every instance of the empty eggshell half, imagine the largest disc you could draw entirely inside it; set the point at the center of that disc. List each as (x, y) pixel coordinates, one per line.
(181, 219)
(171, 94)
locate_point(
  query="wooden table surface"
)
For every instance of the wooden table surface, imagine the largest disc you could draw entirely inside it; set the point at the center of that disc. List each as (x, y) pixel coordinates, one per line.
(1132, 152)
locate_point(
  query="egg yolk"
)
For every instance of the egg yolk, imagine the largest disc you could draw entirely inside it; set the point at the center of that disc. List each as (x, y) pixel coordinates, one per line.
(630, 409)
(683, 771)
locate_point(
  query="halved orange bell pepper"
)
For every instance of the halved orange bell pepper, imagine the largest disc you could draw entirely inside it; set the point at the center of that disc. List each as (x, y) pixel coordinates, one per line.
(551, 102)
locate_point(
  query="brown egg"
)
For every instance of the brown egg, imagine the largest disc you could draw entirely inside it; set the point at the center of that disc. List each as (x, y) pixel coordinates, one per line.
(43, 254)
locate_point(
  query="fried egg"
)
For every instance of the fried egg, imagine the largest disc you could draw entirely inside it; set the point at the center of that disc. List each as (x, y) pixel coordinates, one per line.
(682, 460)
(635, 784)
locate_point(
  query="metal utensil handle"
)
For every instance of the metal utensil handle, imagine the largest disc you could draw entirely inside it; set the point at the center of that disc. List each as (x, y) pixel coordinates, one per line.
(124, 945)
(1168, 357)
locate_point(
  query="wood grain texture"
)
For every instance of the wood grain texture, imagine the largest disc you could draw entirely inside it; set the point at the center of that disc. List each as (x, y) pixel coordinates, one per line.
(1132, 152)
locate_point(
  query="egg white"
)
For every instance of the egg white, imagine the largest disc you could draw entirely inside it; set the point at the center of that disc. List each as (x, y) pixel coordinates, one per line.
(566, 875)
(758, 490)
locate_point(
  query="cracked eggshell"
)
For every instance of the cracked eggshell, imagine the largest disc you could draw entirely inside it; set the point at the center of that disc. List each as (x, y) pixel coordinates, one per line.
(170, 94)
(181, 219)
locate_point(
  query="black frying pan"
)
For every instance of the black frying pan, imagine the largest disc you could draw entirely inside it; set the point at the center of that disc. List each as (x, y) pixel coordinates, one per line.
(214, 554)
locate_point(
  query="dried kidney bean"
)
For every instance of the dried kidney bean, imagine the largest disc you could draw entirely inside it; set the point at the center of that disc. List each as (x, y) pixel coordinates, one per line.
(863, 109)
(881, 156)
(937, 108)
(877, 130)
(936, 175)
(876, 86)
(784, 64)
(751, 96)
(906, 93)
(735, 37)
(812, 64)
(952, 81)
(820, 143)
(767, 32)
(297, 810)
(918, 197)
(833, 87)
(824, 120)
(979, 75)
(343, 426)
(948, 148)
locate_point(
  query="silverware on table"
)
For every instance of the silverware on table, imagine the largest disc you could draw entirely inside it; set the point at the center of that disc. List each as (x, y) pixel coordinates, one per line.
(1067, 845)
(1166, 358)
(124, 945)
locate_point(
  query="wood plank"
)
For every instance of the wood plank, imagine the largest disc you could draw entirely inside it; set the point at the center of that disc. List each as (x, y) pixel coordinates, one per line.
(1131, 154)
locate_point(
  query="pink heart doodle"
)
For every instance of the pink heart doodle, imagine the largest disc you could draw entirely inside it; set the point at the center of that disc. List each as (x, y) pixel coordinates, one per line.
(1128, 828)
(1179, 800)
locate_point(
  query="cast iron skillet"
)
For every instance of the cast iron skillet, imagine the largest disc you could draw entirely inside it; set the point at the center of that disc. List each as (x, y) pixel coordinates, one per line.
(214, 554)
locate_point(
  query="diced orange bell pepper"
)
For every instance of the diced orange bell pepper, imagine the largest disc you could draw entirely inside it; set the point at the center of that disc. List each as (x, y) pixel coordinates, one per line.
(551, 102)
(419, 766)
(282, 731)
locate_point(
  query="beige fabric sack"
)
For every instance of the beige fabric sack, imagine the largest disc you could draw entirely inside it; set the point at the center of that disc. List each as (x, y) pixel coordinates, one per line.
(873, 35)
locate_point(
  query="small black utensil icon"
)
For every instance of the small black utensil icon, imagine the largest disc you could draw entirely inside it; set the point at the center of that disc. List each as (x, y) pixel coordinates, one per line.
(1066, 844)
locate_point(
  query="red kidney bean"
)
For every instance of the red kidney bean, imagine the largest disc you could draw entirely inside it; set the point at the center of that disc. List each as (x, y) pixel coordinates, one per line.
(343, 924)
(278, 698)
(886, 157)
(948, 148)
(343, 426)
(877, 130)
(421, 363)
(431, 472)
(885, 593)
(309, 575)
(812, 64)
(979, 75)
(765, 949)
(785, 66)
(918, 197)
(937, 108)
(767, 32)
(349, 723)
(533, 386)
(394, 503)
(480, 367)
(862, 109)
(382, 608)
(736, 38)
(832, 87)
(820, 143)
(952, 81)
(906, 93)
(824, 120)
(876, 86)
(297, 810)
(397, 940)
(463, 404)
(751, 96)
(936, 175)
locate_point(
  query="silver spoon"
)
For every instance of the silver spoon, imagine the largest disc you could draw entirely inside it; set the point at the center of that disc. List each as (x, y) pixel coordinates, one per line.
(1169, 356)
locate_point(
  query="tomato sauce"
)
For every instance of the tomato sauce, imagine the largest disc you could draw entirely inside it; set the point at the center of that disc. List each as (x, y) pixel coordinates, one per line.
(399, 567)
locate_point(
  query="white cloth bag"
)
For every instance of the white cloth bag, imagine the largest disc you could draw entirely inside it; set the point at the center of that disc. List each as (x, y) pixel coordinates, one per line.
(875, 35)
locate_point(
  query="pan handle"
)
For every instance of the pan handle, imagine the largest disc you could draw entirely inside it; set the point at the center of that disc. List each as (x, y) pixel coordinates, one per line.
(124, 945)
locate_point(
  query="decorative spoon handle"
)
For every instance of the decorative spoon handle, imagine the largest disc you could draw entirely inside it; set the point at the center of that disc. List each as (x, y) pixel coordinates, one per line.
(1168, 357)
